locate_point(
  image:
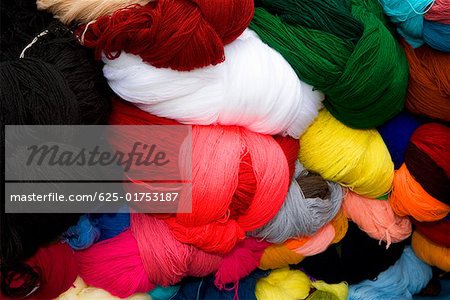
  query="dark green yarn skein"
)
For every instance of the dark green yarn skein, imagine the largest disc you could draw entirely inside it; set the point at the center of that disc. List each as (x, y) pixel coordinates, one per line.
(342, 48)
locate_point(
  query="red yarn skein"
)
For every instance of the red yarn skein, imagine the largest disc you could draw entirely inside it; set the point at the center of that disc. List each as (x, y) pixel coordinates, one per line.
(178, 34)
(57, 269)
(239, 181)
(434, 140)
(437, 232)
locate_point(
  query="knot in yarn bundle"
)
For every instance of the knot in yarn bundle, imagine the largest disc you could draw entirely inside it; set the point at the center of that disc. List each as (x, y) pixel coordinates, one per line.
(178, 34)
(376, 218)
(429, 83)
(352, 57)
(311, 203)
(409, 17)
(357, 159)
(254, 88)
(69, 11)
(239, 181)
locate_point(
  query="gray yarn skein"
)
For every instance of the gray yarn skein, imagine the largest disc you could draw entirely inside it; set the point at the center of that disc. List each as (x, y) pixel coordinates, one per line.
(300, 216)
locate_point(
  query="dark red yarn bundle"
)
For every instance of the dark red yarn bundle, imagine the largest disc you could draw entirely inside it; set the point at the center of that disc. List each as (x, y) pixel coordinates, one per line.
(427, 159)
(438, 232)
(50, 272)
(178, 34)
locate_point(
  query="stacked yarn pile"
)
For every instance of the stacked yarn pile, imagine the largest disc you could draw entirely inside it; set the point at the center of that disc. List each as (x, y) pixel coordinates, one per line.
(320, 146)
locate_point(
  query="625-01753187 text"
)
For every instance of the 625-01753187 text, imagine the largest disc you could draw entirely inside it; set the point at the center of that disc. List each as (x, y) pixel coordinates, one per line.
(101, 197)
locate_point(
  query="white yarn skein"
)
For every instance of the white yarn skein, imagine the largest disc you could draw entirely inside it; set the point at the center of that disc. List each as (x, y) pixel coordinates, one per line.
(255, 87)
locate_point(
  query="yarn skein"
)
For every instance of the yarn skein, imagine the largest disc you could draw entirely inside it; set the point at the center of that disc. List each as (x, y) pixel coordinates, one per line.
(436, 232)
(283, 284)
(356, 258)
(396, 134)
(421, 184)
(82, 235)
(204, 288)
(83, 75)
(277, 256)
(429, 83)
(181, 35)
(21, 22)
(151, 246)
(352, 57)
(239, 263)
(376, 218)
(310, 204)
(427, 159)
(434, 140)
(55, 75)
(357, 159)
(160, 251)
(254, 87)
(225, 204)
(45, 279)
(294, 250)
(408, 15)
(293, 284)
(82, 11)
(114, 265)
(315, 244)
(437, 35)
(428, 173)
(80, 291)
(402, 280)
(439, 12)
(409, 198)
(431, 253)
(111, 224)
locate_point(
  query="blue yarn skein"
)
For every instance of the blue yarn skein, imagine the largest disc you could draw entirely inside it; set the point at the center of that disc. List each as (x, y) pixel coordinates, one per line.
(396, 134)
(408, 15)
(82, 235)
(111, 224)
(204, 288)
(408, 276)
(437, 35)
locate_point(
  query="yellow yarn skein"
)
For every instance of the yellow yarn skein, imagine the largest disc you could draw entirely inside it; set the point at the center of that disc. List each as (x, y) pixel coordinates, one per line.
(355, 158)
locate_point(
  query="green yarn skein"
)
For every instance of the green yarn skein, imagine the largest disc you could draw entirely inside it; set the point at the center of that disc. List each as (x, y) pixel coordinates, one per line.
(342, 48)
